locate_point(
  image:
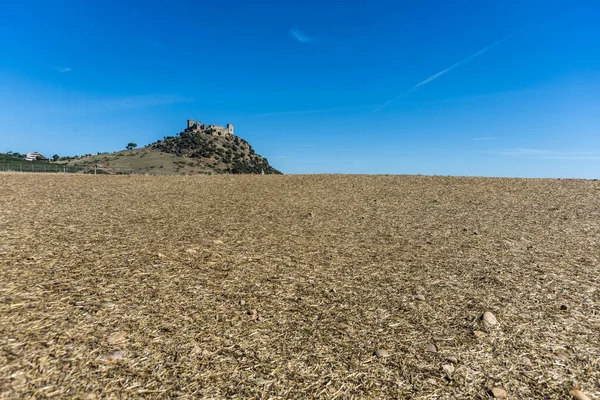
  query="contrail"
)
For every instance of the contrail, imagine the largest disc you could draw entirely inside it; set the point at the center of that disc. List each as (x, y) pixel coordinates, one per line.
(450, 68)
(378, 107)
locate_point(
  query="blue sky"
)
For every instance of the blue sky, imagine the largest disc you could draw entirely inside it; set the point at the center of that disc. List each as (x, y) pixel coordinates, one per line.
(494, 88)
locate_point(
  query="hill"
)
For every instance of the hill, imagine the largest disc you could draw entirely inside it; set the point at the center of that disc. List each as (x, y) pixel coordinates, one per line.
(189, 152)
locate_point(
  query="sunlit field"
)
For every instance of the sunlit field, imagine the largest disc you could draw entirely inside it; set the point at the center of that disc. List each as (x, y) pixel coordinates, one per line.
(298, 287)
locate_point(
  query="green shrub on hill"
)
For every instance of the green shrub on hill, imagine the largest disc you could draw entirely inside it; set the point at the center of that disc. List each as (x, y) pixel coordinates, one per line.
(235, 152)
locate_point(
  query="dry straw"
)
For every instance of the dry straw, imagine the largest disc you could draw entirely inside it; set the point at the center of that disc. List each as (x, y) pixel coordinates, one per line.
(298, 287)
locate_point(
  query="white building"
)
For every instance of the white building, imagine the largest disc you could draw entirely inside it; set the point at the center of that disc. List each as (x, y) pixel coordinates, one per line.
(32, 156)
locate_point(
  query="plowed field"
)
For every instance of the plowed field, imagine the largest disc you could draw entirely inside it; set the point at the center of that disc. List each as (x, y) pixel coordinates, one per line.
(298, 287)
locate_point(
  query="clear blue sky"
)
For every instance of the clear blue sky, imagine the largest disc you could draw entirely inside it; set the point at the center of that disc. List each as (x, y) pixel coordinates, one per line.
(496, 88)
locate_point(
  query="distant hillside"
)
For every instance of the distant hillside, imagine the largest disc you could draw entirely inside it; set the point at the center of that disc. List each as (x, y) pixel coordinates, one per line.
(189, 152)
(11, 157)
(222, 153)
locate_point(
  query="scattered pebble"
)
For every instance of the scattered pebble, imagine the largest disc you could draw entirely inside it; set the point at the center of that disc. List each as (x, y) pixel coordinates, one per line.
(191, 251)
(381, 353)
(346, 328)
(564, 307)
(116, 337)
(526, 361)
(242, 302)
(217, 241)
(420, 297)
(252, 313)
(452, 360)
(579, 395)
(431, 348)
(114, 356)
(479, 334)
(489, 318)
(90, 396)
(195, 350)
(448, 369)
(160, 255)
(499, 393)
(311, 214)
(261, 381)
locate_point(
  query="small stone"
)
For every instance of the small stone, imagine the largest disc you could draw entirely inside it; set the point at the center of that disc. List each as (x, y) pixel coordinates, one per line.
(499, 393)
(346, 328)
(431, 381)
(526, 361)
(160, 255)
(261, 381)
(489, 318)
(452, 360)
(195, 350)
(252, 313)
(311, 214)
(217, 241)
(448, 369)
(242, 302)
(191, 251)
(564, 307)
(381, 353)
(431, 348)
(90, 396)
(116, 337)
(479, 334)
(579, 395)
(420, 297)
(114, 356)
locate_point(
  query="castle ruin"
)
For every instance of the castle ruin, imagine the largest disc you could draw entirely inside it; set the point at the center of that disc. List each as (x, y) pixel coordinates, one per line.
(197, 126)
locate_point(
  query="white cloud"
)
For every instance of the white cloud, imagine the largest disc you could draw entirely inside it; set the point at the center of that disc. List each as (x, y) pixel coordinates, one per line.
(64, 69)
(138, 101)
(300, 36)
(572, 157)
(485, 138)
(549, 154)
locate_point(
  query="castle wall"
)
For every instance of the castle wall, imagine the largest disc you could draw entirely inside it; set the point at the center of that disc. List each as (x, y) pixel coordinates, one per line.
(219, 129)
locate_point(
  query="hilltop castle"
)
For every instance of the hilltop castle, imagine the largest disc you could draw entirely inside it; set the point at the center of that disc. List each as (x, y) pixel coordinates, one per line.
(197, 126)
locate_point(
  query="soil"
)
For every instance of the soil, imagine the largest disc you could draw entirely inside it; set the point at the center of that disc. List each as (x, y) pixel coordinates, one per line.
(298, 287)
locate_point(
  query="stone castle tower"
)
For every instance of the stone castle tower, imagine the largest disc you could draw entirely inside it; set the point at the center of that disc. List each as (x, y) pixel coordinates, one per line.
(197, 126)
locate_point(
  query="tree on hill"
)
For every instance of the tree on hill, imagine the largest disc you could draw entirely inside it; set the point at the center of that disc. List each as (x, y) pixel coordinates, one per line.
(131, 146)
(55, 157)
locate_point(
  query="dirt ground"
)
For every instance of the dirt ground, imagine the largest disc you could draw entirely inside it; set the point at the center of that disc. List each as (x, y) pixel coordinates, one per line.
(298, 287)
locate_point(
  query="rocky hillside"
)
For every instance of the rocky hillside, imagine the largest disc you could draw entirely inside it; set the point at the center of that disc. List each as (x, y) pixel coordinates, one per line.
(187, 153)
(221, 153)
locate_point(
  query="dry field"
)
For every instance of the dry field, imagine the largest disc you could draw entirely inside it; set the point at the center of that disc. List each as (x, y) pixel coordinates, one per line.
(287, 286)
